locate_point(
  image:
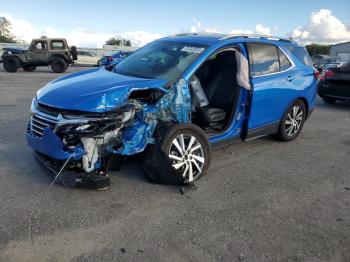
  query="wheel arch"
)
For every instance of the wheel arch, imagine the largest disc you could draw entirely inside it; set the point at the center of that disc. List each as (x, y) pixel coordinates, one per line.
(15, 56)
(306, 103)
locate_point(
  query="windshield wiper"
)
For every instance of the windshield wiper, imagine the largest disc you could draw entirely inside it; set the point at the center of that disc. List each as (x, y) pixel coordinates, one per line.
(130, 74)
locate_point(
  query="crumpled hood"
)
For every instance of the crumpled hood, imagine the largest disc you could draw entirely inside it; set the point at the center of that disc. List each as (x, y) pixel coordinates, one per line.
(94, 90)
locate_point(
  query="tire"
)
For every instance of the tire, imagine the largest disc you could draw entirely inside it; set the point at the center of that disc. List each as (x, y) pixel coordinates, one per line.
(329, 100)
(11, 64)
(74, 53)
(58, 65)
(292, 122)
(171, 161)
(29, 68)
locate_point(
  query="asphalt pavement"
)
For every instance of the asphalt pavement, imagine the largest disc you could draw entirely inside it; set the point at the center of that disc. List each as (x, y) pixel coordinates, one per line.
(260, 201)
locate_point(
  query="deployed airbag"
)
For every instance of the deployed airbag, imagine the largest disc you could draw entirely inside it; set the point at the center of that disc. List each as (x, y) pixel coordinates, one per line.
(242, 74)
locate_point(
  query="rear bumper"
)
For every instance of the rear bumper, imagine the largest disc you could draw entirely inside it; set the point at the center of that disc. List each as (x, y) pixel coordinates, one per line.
(341, 91)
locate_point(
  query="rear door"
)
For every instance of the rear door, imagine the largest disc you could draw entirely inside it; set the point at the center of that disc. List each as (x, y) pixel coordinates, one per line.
(273, 80)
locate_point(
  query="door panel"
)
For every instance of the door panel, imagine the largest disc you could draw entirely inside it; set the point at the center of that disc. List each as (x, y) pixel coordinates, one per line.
(275, 83)
(37, 52)
(272, 94)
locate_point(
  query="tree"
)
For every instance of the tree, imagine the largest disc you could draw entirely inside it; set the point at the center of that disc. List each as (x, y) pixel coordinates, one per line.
(5, 31)
(316, 49)
(118, 42)
(113, 41)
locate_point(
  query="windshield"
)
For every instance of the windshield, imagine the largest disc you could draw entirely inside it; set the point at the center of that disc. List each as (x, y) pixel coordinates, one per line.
(164, 60)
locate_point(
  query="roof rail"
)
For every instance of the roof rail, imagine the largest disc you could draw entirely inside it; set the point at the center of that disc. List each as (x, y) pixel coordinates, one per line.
(268, 37)
(193, 33)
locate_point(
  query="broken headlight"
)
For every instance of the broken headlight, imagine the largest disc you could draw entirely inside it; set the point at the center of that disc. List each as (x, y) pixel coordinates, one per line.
(92, 126)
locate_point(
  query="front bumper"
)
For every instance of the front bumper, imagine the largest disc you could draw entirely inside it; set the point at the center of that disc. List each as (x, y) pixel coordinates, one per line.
(50, 152)
(68, 178)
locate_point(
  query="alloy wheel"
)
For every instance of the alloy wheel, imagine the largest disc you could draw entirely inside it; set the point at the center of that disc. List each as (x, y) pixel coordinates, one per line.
(187, 156)
(294, 120)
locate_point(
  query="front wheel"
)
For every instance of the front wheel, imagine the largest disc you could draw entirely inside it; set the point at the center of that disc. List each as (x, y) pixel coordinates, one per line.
(181, 156)
(292, 121)
(11, 64)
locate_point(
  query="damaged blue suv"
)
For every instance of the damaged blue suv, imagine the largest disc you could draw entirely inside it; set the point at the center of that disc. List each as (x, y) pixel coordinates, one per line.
(174, 99)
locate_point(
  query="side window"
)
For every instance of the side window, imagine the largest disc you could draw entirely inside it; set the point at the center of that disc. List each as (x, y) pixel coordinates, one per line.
(284, 61)
(263, 59)
(57, 45)
(40, 45)
(301, 54)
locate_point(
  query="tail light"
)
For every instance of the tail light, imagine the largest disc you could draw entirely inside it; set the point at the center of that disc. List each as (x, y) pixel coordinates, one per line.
(109, 58)
(316, 73)
(329, 73)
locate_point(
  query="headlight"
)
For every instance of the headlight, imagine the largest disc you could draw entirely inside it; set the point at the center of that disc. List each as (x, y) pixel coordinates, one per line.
(33, 106)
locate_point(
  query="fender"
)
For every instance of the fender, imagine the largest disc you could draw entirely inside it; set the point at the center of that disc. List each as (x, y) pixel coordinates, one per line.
(13, 55)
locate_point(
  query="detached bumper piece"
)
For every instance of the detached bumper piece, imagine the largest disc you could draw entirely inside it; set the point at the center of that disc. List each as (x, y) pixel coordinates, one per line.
(73, 179)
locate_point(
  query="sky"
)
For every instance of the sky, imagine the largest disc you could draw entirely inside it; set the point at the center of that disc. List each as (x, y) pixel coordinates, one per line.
(90, 23)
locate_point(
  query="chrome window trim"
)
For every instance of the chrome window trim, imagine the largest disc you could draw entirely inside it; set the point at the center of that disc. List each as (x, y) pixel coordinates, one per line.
(279, 72)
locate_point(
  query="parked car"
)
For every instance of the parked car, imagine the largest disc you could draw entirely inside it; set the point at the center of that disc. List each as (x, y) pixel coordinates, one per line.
(174, 99)
(114, 58)
(333, 65)
(87, 58)
(53, 52)
(334, 83)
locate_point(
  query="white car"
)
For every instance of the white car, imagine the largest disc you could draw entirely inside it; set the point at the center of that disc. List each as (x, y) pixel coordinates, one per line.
(87, 58)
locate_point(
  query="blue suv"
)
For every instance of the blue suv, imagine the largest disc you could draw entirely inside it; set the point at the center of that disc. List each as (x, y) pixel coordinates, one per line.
(114, 58)
(174, 100)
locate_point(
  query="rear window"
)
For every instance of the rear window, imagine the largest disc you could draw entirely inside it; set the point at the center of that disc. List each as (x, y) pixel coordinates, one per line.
(57, 45)
(344, 68)
(301, 54)
(266, 59)
(284, 61)
(263, 59)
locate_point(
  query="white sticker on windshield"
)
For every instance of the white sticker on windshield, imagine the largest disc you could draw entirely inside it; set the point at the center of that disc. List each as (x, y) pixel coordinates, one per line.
(192, 49)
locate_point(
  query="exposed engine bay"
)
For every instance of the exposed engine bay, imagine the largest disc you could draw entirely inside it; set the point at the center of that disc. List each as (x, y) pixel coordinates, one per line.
(90, 140)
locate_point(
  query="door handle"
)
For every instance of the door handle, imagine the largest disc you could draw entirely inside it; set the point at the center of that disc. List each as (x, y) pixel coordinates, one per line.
(290, 78)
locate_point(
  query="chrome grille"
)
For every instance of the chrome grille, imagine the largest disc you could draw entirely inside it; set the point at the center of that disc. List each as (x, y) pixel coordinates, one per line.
(39, 121)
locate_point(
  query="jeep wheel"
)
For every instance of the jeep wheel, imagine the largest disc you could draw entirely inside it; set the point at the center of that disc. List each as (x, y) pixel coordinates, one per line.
(180, 157)
(292, 121)
(29, 68)
(11, 64)
(58, 65)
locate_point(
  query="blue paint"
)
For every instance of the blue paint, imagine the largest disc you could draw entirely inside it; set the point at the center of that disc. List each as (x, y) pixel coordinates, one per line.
(98, 90)
(94, 90)
(50, 144)
(114, 58)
